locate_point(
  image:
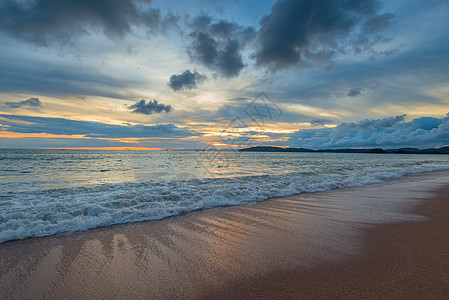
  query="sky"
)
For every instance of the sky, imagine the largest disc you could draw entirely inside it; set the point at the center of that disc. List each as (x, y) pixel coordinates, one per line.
(211, 74)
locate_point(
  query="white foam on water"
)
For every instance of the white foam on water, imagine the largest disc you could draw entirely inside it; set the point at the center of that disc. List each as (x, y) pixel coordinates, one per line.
(34, 212)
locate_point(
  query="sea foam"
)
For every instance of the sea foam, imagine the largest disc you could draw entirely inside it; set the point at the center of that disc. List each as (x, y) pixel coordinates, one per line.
(28, 210)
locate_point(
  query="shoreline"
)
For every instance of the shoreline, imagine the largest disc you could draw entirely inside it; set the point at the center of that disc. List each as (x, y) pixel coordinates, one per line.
(91, 221)
(314, 245)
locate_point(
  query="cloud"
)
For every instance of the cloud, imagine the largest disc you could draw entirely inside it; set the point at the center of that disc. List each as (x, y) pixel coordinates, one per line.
(60, 126)
(354, 92)
(152, 107)
(427, 123)
(32, 102)
(377, 23)
(424, 132)
(186, 80)
(218, 44)
(372, 124)
(320, 122)
(42, 22)
(40, 72)
(301, 33)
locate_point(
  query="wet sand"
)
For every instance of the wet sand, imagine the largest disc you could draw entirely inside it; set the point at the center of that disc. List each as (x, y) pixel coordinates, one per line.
(386, 240)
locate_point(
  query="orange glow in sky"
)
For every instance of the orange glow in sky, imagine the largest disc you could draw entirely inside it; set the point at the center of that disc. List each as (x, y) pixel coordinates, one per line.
(106, 148)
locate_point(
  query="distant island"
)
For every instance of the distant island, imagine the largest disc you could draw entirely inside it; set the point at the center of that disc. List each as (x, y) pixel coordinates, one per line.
(442, 150)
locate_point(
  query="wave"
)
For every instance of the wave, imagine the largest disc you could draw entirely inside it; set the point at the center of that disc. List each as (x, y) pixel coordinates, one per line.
(34, 212)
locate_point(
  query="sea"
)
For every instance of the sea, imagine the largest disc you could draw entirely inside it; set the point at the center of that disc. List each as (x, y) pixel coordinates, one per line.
(47, 192)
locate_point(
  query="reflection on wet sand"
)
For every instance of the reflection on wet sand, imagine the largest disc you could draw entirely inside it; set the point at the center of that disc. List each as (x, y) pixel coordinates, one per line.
(190, 255)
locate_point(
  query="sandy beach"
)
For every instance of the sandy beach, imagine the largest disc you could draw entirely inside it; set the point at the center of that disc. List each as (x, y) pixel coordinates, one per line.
(385, 240)
(282, 149)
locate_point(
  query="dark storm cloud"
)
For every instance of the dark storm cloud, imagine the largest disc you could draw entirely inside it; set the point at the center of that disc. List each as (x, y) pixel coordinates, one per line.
(388, 132)
(32, 102)
(301, 32)
(186, 80)
(354, 92)
(44, 21)
(218, 44)
(152, 107)
(60, 126)
(227, 61)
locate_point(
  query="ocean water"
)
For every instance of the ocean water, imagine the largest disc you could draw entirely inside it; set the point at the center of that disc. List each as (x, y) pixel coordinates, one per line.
(45, 192)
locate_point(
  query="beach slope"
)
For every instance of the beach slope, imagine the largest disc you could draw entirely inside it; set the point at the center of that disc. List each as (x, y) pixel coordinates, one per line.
(385, 240)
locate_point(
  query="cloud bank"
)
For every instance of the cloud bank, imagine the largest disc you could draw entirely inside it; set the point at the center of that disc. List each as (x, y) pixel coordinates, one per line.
(388, 132)
(60, 126)
(152, 107)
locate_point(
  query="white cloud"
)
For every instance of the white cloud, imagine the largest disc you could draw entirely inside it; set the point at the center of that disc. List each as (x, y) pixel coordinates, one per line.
(394, 132)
